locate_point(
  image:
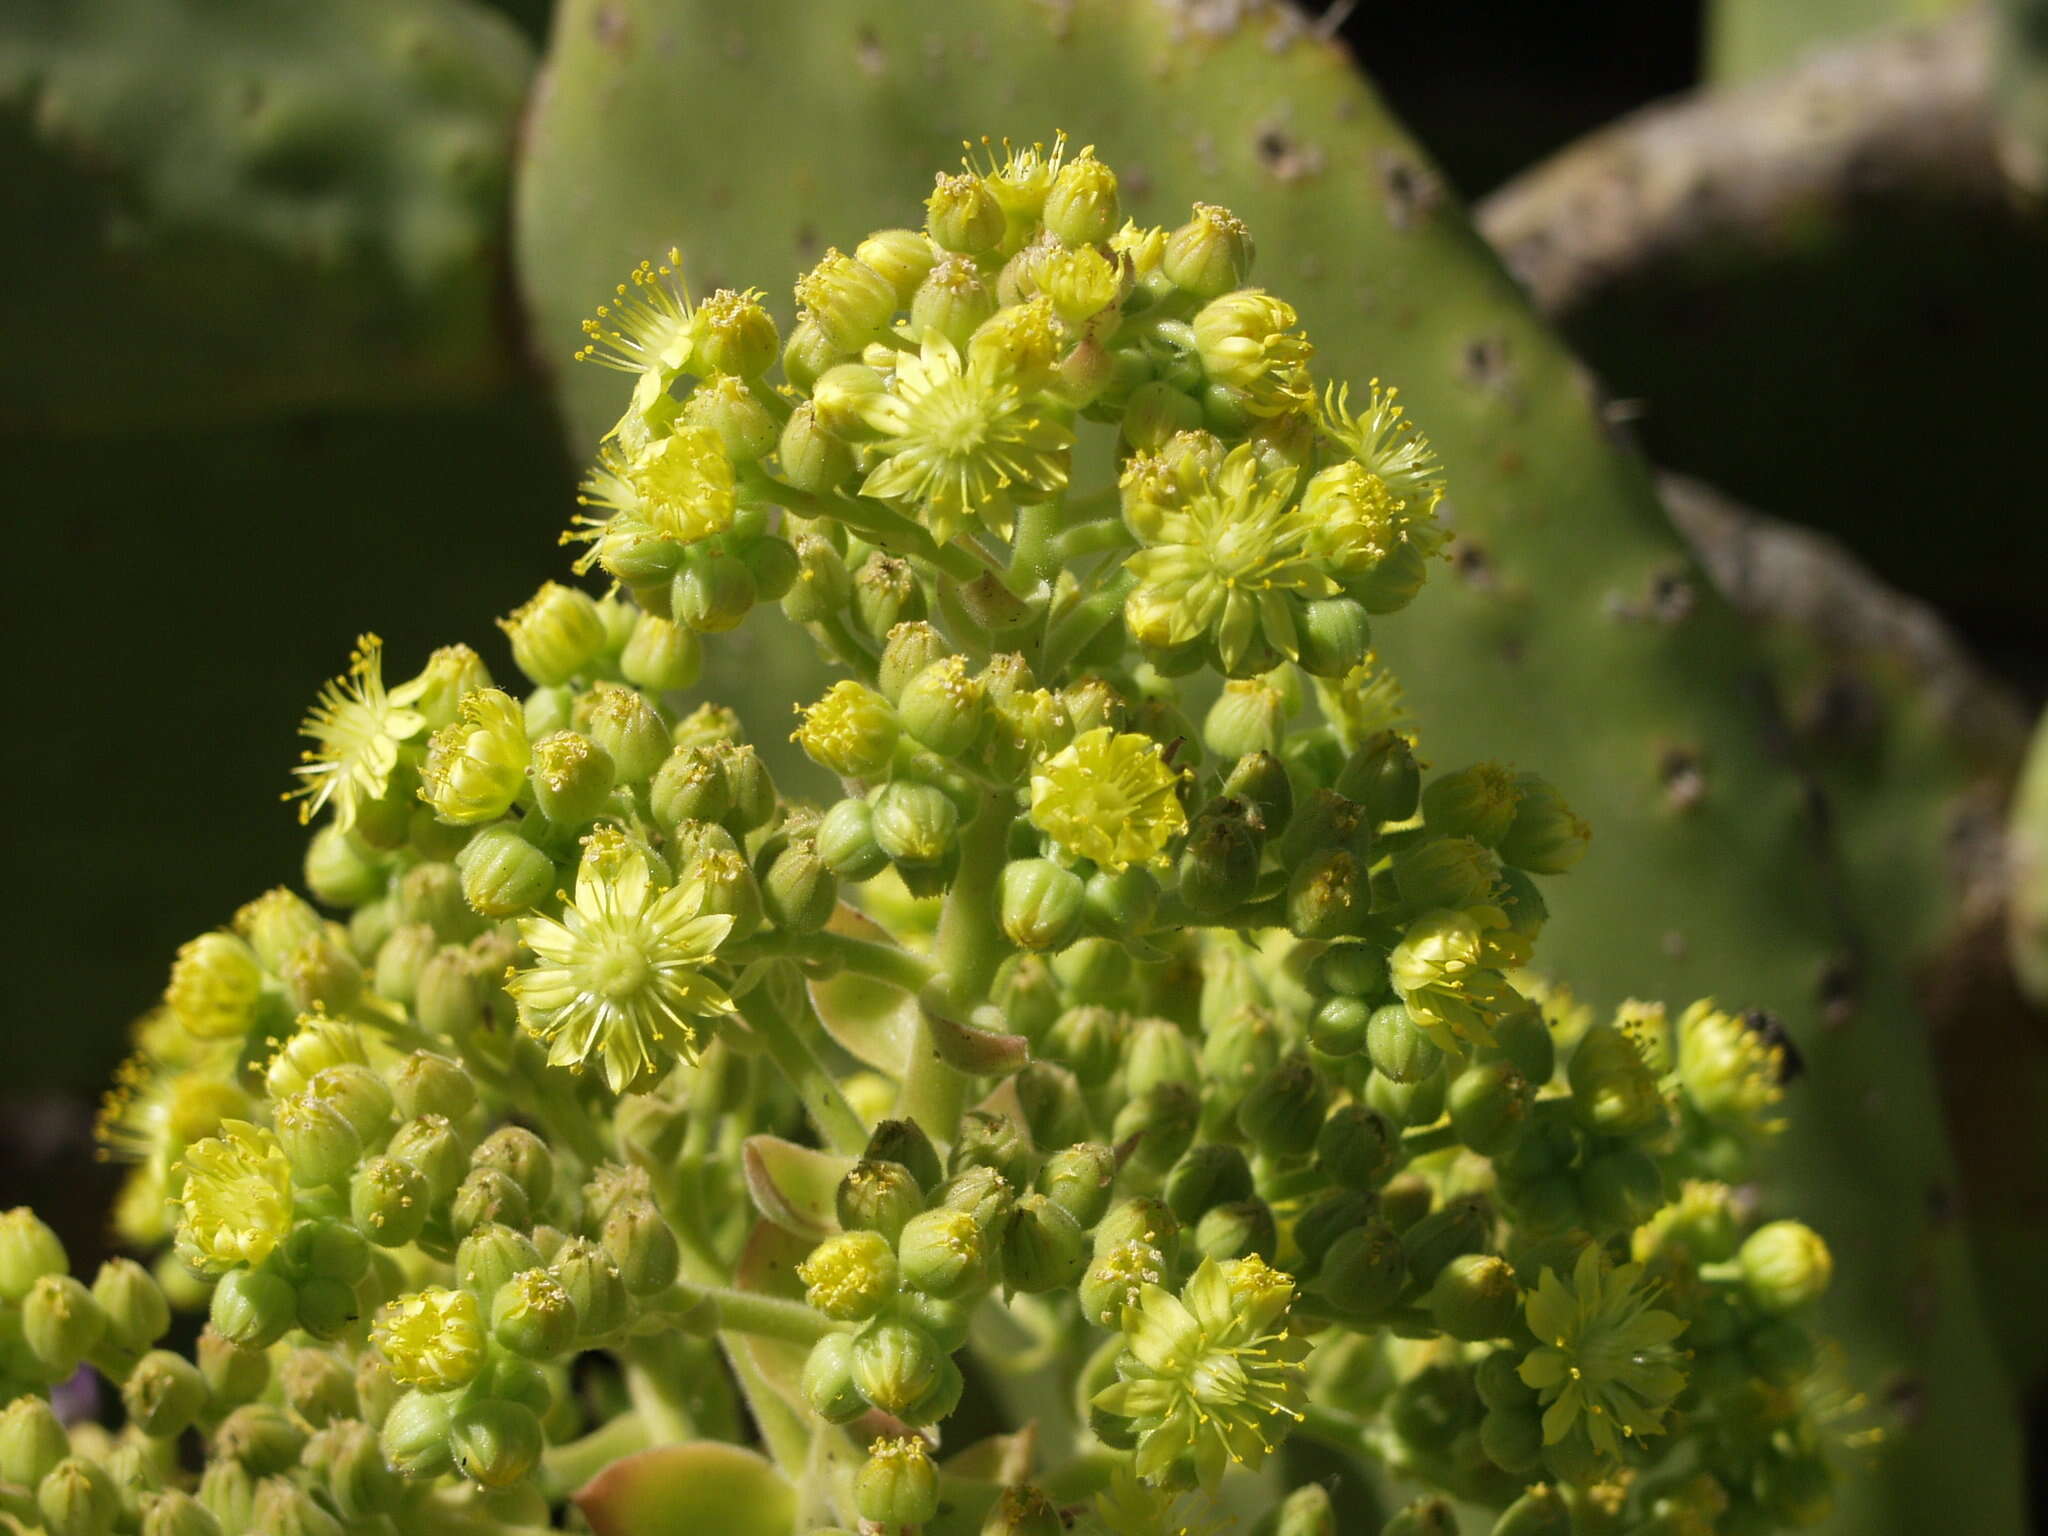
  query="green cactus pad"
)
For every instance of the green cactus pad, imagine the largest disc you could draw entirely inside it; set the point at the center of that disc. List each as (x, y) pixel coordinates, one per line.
(232, 209)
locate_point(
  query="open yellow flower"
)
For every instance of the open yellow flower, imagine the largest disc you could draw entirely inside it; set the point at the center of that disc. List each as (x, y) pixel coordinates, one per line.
(235, 1205)
(620, 978)
(1110, 798)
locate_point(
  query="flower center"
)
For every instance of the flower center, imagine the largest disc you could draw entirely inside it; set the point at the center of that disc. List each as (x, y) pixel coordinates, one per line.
(618, 970)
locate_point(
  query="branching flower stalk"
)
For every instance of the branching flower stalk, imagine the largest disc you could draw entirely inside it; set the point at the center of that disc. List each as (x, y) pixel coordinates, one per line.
(1118, 1019)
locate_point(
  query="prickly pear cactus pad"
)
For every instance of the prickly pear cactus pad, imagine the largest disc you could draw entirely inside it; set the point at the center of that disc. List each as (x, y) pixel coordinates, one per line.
(229, 208)
(1570, 632)
(1136, 1068)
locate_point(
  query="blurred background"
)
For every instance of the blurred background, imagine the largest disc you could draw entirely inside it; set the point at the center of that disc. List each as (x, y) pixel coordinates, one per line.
(270, 386)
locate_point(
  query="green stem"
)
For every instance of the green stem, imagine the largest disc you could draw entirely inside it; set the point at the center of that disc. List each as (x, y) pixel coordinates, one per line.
(794, 1055)
(568, 1117)
(1344, 1431)
(883, 962)
(769, 1317)
(1033, 546)
(1066, 635)
(565, 1468)
(960, 626)
(970, 947)
(873, 521)
(832, 633)
(1093, 539)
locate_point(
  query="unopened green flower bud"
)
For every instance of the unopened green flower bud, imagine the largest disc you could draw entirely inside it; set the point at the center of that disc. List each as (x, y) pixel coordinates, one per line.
(916, 824)
(1545, 837)
(1080, 1179)
(1081, 206)
(491, 1255)
(728, 409)
(319, 1387)
(414, 1435)
(943, 707)
(1614, 1089)
(402, 959)
(1209, 255)
(61, 1323)
(1460, 1227)
(228, 1493)
(77, 1498)
(532, 1315)
(819, 462)
(1116, 1278)
(1335, 635)
(1340, 1025)
(1381, 776)
(628, 730)
(903, 256)
(282, 1508)
(594, 1285)
(912, 649)
(1044, 1248)
(643, 1246)
(1401, 1052)
(1541, 1511)
(1237, 1230)
(215, 986)
(1328, 1219)
(905, 1142)
(572, 778)
(846, 841)
(488, 1195)
(953, 301)
(1248, 717)
(342, 872)
(1219, 864)
(555, 635)
(1478, 802)
(1474, 1297)
(1329, 895)
(799, 893)
(503, 874)
(1040, 904)
(752, 786)
(1785, 1266)
(1307, 1512)
(163, 1397)
(253, 1307)
(1160, 1052)
(878, 1197)
(896, 1365)
(134, 1306)
(318, 1140)
(322, 975)
(173, 1512)
(275, 924)
(389, 1201)
(1206, 1176)
(820, 586)
(962, 216)
(842, 396)
(1088, 1041)
(1363, 1270)
(1164, 1119)
(827, 1383)
(691, 786)
(1284, 1110)
(32, 1441)
(897, 1486)
(1445, 872)
(847, 300)
(1489, 1104)
(260, 1437)
(1407, 1104)
(944, 1253)
(1357, 1147)
(235, 1373)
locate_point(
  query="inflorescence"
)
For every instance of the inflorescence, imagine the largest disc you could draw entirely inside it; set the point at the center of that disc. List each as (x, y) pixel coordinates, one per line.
(1112, 999)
